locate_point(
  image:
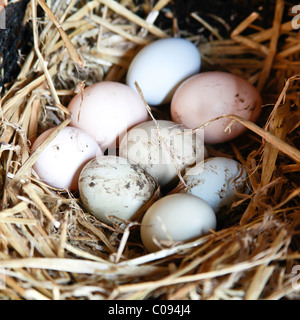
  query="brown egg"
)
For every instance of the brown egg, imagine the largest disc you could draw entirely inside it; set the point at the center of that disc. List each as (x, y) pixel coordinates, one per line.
(209, 95)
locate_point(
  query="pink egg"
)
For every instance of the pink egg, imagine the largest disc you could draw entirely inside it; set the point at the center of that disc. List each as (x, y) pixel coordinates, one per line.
(60, 163)
(209, 95)
(106, 110)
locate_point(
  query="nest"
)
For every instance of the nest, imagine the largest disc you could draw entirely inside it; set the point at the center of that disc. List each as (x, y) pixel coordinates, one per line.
(52, 248)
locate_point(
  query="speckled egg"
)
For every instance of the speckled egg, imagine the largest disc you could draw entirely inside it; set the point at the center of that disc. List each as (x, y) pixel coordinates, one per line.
(218, 181)
(163, 148)
(111, 186)
(208, 95)
(60, 163)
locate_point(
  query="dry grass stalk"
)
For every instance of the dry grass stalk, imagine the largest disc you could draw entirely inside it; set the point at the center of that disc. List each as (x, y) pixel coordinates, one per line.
(51, 248)
(207, 26)
(73, 53)
(280, 144)
(273, 45)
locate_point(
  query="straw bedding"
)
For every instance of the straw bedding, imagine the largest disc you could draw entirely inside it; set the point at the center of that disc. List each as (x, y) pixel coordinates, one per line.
(51, 248)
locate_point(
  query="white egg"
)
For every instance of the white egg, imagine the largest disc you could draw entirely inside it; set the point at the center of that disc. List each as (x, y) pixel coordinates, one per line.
(218, 181)
(176, 218)
(60, 163)
(161, 66)
(162, 160)
(111, 186)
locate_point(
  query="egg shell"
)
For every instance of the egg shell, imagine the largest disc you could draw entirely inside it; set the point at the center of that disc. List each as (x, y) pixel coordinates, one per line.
(143, 145)
(106, 110)
(110, 185)
(60, 163)
(217, 181)
(161, 66)
(176, 218)
(209, 95)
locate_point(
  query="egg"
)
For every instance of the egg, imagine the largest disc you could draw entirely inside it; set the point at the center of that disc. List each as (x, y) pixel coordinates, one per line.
(208, 95)
(161, 66)
(217, 181)
(176, 218)
(162, 152)
(60, 163)
(106, 110)
(111, 186)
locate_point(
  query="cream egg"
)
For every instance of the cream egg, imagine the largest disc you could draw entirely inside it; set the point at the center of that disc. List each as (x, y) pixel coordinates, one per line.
(218, 181)
(106, 110)
(209, 95)
(161, 66)
(163, 148)
(111, 186)
(60, 163)
(174, 219)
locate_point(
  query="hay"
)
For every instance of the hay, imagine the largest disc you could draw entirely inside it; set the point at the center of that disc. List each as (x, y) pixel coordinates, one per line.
(51, 248)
